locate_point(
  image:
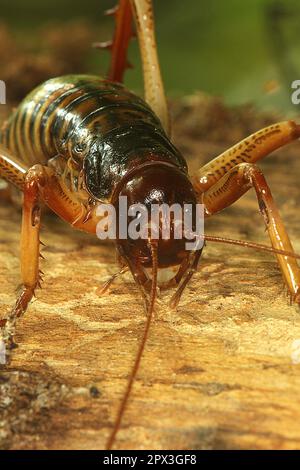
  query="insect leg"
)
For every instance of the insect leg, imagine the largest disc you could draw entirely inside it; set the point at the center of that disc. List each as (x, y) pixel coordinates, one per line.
(231, 187)
(250, 150)
(142, 11)
(12, 169)
(119, 45)
(109, 282)
(153, 84)
(38, 183)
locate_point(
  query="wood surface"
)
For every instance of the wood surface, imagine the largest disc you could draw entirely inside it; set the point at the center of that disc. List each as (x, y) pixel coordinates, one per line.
(220, 373)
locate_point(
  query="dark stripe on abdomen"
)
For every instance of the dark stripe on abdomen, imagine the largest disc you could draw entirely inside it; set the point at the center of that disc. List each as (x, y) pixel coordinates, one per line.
(72, 110)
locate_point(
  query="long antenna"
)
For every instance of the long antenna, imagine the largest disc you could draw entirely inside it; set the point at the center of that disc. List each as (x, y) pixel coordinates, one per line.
(117, 424)
(247, 244)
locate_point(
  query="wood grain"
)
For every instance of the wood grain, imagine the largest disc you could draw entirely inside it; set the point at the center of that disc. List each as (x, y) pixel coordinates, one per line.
(216, 374)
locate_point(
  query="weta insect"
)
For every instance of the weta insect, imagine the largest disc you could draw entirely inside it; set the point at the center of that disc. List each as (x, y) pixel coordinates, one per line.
(77, 142)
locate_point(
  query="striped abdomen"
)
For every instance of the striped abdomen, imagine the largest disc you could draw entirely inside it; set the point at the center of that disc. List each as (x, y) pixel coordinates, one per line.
(87, 119)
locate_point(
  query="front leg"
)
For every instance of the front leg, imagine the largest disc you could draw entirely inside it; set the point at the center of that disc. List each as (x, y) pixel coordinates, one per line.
(250, 150)
(39, 184)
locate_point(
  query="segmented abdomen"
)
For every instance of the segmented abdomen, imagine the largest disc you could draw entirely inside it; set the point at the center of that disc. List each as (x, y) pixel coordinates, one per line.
(79, 115)
(61, 111)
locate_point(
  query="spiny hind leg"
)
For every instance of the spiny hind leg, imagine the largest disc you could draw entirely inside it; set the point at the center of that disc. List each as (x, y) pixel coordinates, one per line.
(230, 188)
(12, 174)
(250, 150)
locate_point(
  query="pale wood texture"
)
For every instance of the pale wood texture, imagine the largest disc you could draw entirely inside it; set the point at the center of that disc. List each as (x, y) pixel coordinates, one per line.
(218, 373)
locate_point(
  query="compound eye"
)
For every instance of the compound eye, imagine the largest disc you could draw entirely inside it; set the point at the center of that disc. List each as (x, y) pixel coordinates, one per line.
(93, 176)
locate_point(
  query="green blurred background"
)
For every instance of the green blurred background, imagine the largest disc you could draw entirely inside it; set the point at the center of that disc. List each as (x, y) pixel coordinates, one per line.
(242, 50)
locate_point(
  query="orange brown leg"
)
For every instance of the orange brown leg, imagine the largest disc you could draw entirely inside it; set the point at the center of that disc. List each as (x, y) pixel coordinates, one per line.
(185, 278)
(230, 188)
(30, 252)
(142, 12)
(250, 150)
(122, 36)
(38, 184)
(103, 289)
